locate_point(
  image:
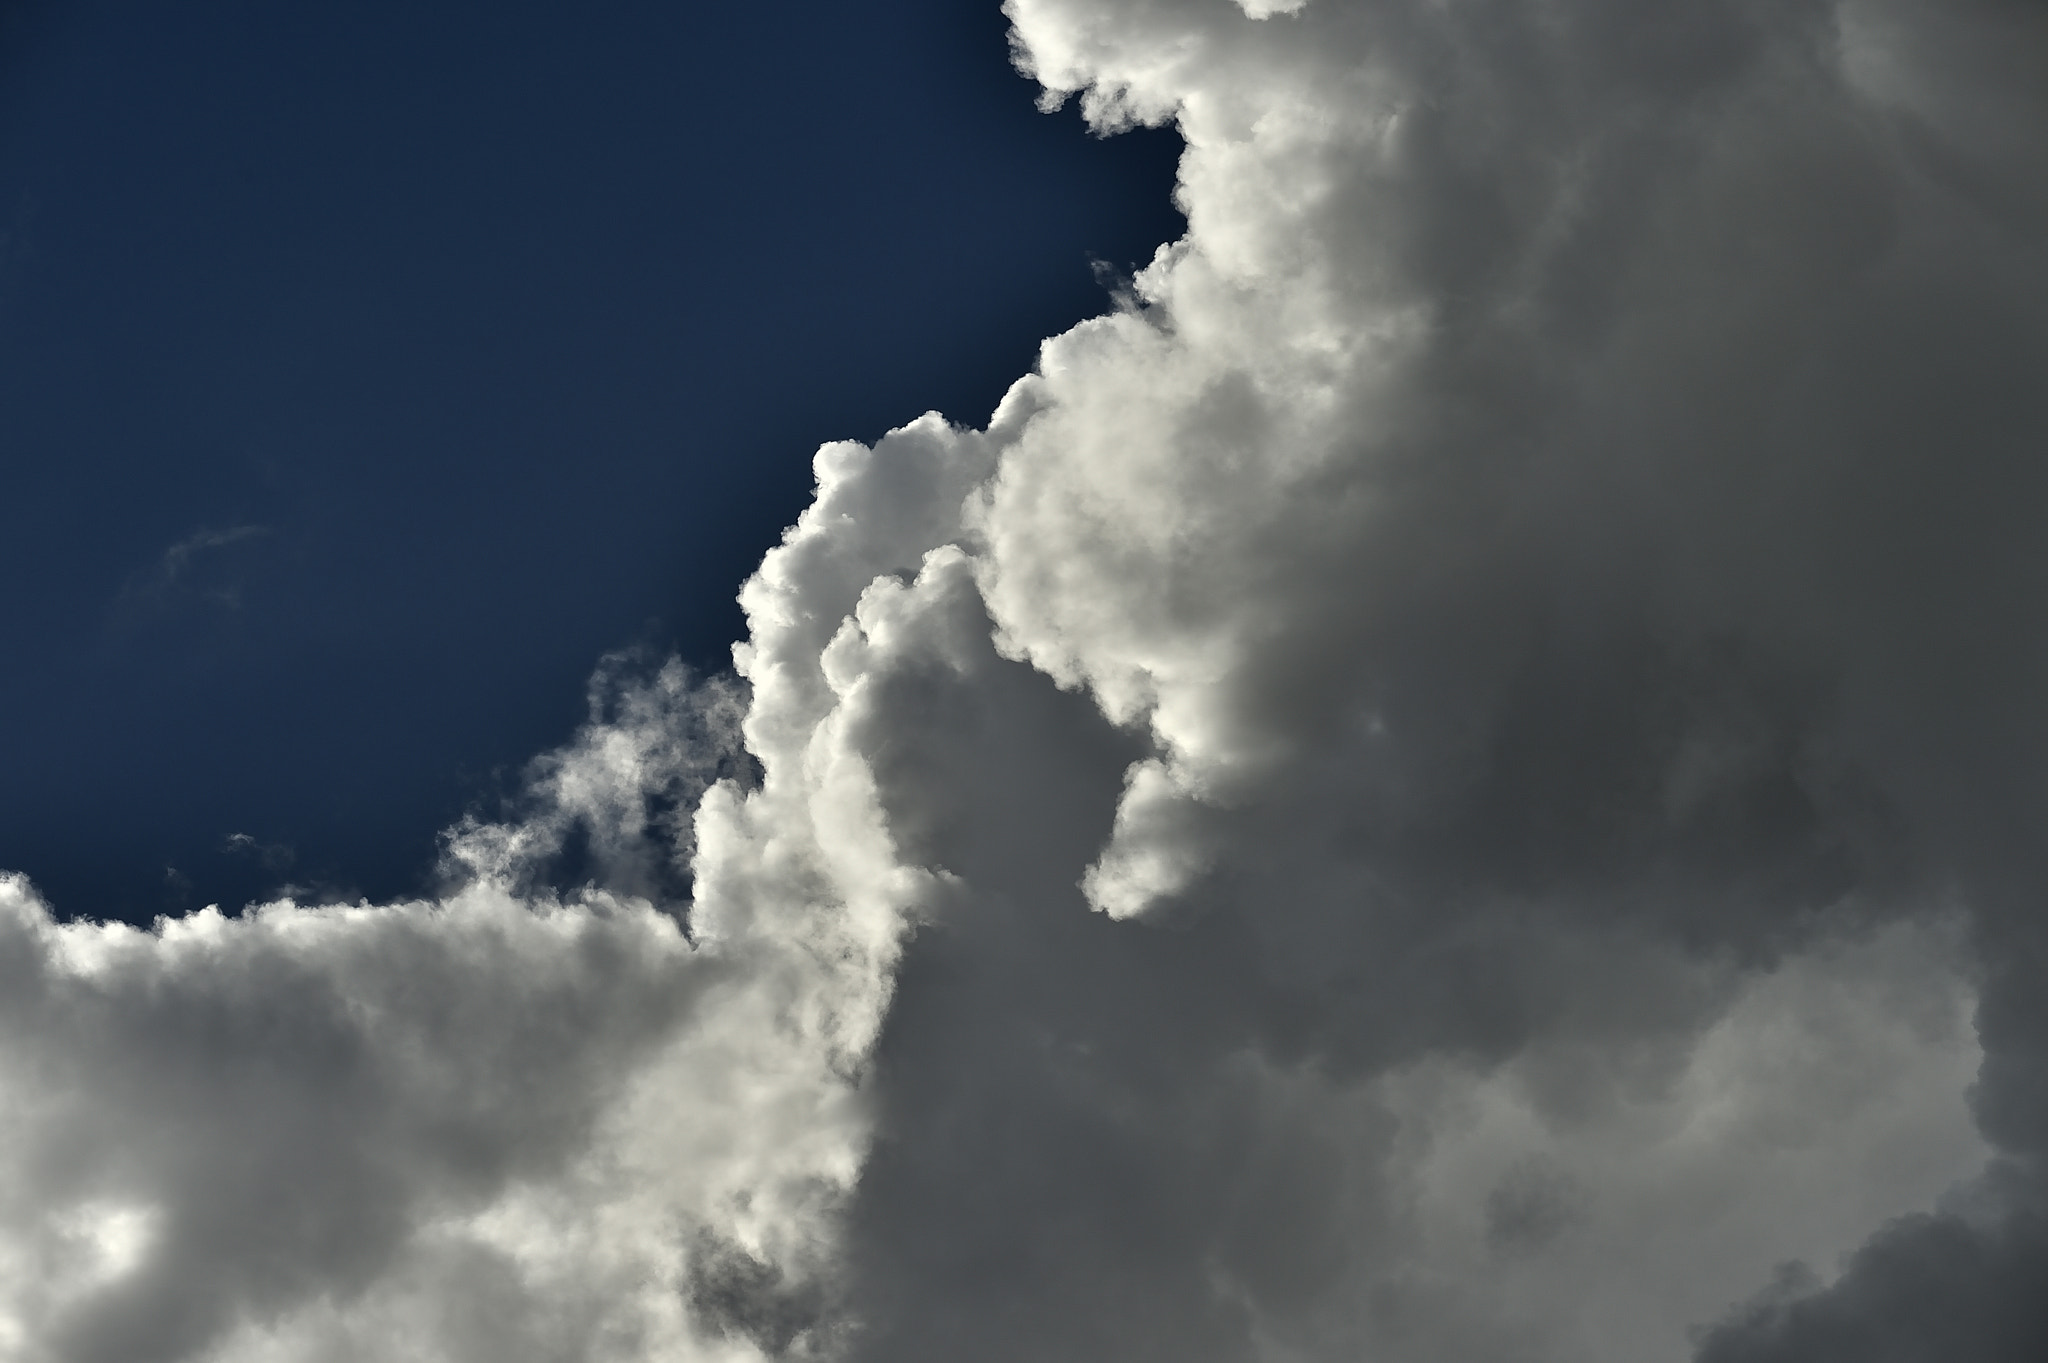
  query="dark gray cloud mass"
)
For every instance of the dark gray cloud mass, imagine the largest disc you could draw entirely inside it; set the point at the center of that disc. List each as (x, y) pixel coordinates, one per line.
(1459, 778)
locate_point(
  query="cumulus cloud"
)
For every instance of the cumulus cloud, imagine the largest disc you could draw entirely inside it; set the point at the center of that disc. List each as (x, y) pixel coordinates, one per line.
(598, 1100)
(1459, 776)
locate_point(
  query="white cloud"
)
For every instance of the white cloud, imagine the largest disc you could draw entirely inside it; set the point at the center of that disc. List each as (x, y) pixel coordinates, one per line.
(1444, 782)
(505, 1123)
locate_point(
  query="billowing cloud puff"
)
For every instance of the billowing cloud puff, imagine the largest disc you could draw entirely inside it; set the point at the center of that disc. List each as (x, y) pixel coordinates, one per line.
(1459, 777)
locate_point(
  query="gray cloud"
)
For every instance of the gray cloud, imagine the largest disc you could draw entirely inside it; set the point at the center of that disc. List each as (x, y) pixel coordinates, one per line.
(1552, 549)
(1458, 777)
(1924, 1287)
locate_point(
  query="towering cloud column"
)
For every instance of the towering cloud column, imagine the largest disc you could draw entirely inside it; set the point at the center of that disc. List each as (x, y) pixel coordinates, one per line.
(1553, 555)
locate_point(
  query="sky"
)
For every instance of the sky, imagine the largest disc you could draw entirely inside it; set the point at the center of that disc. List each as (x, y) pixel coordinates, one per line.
(368, 372)
(1448, 765)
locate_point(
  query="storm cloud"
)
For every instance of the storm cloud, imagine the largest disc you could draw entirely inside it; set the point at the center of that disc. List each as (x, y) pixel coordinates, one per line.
(1459, 776)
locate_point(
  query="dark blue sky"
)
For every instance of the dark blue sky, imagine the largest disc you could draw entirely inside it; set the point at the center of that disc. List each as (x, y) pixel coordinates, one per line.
(368, 370)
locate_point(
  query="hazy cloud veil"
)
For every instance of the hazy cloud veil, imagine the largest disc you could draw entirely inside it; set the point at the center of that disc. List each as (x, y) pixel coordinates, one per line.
(1464, 776)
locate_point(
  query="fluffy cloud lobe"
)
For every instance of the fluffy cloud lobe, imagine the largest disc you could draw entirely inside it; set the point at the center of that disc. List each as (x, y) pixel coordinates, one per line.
(1458, 777)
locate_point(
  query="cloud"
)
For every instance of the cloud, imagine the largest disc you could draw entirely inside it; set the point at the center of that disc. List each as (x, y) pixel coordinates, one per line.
(1551, 554)
(1924, 1287)
(173, 575)
(515, 1121)
(1458, 777)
